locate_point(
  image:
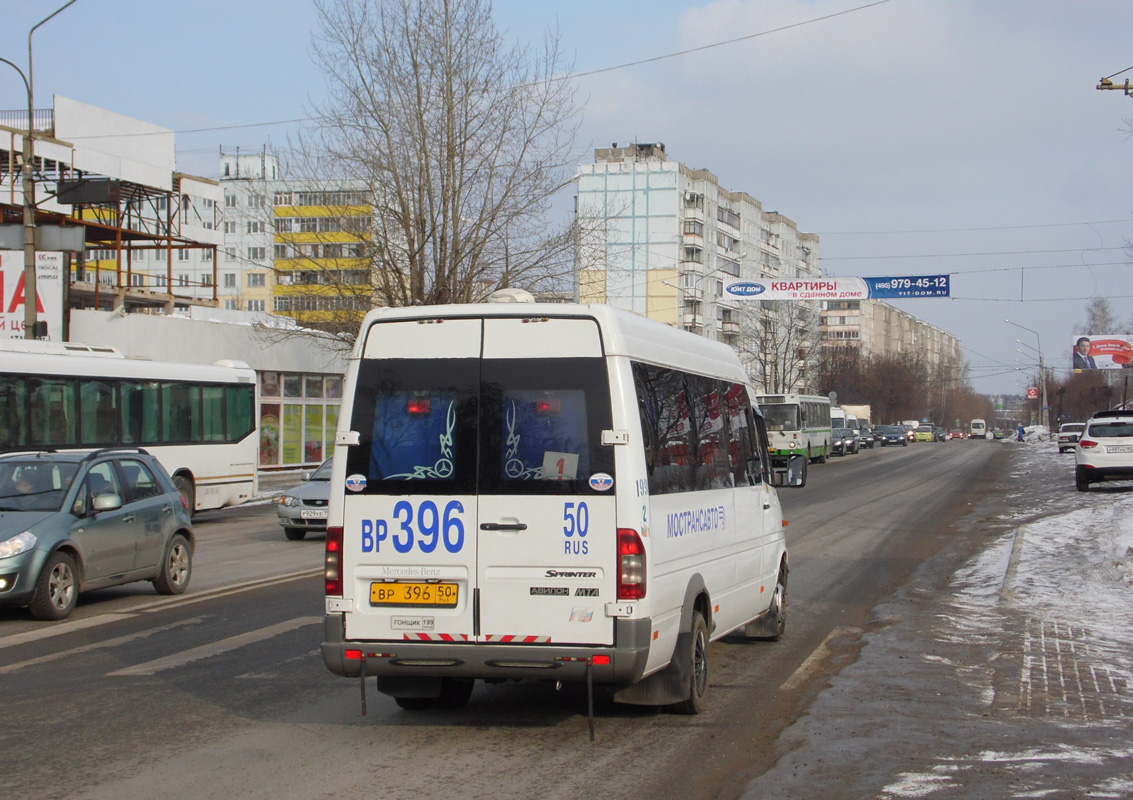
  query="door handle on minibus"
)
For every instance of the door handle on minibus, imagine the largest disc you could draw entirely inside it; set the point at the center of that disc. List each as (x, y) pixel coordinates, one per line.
(503, 526)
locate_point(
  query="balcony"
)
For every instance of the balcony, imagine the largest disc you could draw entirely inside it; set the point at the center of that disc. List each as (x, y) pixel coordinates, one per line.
(729, 328)
(692, 320)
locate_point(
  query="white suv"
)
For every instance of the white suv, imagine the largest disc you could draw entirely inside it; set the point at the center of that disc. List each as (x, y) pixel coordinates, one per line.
(1105, 450)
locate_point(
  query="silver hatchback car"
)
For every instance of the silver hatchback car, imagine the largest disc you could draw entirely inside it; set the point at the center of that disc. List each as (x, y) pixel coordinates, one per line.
(71, 522)
(304, 507)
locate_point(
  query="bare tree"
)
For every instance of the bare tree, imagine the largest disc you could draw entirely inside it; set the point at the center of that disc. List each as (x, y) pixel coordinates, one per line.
(460, 140)
(779, 343)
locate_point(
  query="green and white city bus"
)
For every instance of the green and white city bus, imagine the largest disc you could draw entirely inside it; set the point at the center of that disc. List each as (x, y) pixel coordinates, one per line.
(797, 424)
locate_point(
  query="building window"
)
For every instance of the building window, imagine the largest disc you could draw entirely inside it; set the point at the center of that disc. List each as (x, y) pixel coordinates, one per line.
(727, 216)
(256, 226)
(158, 280)
(255, 201)
(232, 305)
(229, 200)
(182, 280)
(206, 280)
(256, 305)
(206, 255)
(230, 280)
(230, 254)
(256, 280)
(257, 253)
(230, 227)
(694, 227)
(182, 254)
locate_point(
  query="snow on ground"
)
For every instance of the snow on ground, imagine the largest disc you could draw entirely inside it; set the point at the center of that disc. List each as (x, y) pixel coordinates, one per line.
(1014, 680)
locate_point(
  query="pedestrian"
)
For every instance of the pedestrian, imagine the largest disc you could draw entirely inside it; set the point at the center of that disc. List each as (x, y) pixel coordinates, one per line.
(1021, 431)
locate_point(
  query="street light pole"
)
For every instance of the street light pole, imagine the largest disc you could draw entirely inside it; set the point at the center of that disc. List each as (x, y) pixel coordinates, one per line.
(1045, 416)
(31, 295)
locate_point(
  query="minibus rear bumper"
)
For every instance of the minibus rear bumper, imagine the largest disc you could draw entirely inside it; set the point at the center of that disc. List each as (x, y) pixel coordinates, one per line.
(621, 664)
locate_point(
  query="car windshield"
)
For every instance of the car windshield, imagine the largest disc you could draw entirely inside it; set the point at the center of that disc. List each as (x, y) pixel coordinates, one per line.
(925, 429)
(322, 473)
(1073, 427)
(34, 484)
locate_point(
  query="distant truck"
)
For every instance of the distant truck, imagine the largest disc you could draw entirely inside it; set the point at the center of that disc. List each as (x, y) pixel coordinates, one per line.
(861, 413)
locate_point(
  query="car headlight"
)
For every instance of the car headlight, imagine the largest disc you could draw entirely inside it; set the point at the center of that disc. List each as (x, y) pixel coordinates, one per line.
(793, 444)
(20, 543)
(288, 500)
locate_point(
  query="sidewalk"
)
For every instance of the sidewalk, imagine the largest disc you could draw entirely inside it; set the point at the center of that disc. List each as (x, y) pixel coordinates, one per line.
(1009, 678)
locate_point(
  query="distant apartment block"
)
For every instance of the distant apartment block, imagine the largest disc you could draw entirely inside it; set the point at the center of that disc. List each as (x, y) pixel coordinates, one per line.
(661, 239)
(874, 327)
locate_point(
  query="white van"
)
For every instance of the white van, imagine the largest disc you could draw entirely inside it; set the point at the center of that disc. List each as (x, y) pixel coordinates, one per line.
(978, 429)
(559, 492)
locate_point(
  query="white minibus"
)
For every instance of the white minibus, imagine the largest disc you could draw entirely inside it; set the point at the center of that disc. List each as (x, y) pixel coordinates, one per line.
(978, 429)
(549, 491)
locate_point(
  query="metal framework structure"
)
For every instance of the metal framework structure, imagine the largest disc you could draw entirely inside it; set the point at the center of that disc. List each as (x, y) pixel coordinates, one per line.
(117, 215)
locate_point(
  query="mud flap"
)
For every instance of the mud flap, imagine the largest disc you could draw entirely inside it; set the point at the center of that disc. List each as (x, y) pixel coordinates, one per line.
(666, 687)
(410, 686)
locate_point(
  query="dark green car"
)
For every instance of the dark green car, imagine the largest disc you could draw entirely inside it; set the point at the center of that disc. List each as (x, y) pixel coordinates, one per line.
(71, 522)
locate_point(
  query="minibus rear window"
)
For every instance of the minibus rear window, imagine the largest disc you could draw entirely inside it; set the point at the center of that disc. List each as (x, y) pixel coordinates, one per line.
(541, 425)
(492, 426)
(416, 420)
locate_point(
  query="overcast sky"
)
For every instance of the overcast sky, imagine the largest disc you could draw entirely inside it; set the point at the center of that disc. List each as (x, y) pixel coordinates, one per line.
(914, 137)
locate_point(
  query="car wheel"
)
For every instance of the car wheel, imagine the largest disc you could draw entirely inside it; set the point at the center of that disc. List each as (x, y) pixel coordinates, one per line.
(778, 610)
(57, 589)
(188, 493)
(294, 534)
(176, 567)
(1080, 479)
(697, 656)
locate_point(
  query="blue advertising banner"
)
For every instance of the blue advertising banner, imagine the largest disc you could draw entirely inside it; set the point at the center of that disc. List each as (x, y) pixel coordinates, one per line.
(839, 288)
(912, 286)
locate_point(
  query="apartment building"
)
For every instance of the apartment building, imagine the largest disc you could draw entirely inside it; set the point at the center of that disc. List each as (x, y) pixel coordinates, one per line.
(875, 327)
(661, 239)
(295, 248)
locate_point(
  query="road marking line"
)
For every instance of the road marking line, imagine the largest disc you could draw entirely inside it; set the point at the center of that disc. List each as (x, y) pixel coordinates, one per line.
(60, 628)
(215, 648)
(99, 645)
(819, 653)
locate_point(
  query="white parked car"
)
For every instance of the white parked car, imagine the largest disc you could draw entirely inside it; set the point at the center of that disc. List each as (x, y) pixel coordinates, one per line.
(1105, 451)
(1068, 435)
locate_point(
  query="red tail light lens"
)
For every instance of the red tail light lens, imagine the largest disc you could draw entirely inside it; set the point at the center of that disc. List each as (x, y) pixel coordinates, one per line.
(334, 562)
(631, 565)
(548, 405)
(419, 407)
(1086, 444)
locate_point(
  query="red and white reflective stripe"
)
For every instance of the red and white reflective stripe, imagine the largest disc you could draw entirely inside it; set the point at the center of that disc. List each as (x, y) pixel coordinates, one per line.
(511, 638)
(435, 637)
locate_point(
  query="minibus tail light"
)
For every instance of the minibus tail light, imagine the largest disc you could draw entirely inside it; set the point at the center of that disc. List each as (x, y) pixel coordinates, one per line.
(631, 565)
(334, 562)
(418, 406)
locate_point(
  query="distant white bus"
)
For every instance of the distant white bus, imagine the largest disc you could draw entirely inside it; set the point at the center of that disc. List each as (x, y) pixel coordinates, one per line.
(797, 424)
(198, 420)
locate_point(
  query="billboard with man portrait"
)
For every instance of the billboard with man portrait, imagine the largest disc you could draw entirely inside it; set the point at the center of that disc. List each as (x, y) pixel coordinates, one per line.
(1101, 351)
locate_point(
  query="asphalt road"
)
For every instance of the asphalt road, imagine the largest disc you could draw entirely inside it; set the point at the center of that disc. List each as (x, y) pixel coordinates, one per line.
(222, 693)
